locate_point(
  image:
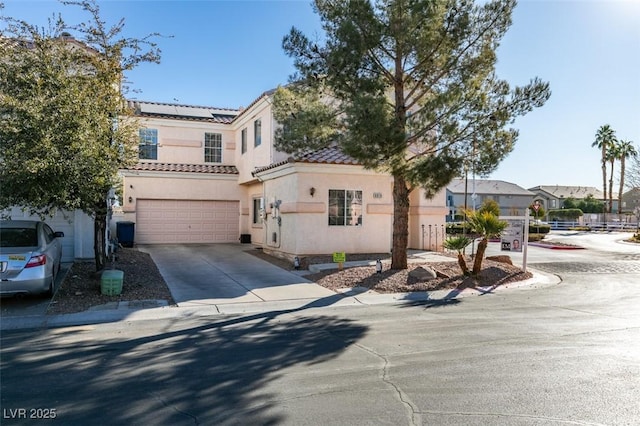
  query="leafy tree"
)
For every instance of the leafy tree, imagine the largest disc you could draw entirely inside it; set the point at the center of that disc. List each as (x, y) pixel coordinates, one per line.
(61, 140)
(490, 206)
(605, 138)
(572, 214)
(590, 205)
(405, 87)
(487, 225)
(625, 150)
(569, 203)
(459, 243)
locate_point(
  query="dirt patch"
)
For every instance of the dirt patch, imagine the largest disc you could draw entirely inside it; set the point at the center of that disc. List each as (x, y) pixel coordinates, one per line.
(81, 288)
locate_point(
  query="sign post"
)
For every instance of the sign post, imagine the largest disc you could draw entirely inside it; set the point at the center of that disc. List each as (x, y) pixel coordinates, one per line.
(339, 257)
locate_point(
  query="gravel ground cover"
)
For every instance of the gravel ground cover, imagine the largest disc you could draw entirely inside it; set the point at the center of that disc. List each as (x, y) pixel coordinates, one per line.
(81, 288)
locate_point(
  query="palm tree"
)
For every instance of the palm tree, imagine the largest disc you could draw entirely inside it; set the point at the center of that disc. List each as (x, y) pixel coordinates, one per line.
(625, 150)
(458, 244)
(605, 136)
(612, 156)
(488, 226)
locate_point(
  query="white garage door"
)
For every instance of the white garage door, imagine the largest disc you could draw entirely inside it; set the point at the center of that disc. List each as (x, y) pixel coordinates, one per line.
(187, 221)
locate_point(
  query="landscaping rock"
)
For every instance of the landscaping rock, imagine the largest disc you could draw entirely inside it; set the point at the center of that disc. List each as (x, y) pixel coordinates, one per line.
(423, 274)
(501, 258)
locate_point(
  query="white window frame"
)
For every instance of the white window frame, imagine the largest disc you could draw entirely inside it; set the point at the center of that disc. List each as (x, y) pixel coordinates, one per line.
(346, 207)
(213, 147)
(148, 144)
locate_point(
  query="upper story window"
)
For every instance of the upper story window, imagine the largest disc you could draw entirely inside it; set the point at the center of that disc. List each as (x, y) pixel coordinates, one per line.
(148, 145)
(213, 148)
(257, 132)
(345, 207)
(243, 143)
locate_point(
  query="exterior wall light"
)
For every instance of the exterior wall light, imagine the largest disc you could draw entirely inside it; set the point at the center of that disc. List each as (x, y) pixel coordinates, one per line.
(131, 199)
(312, 191)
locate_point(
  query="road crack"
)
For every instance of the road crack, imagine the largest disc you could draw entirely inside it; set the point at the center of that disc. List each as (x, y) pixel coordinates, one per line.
(174, 408)
(413, 412)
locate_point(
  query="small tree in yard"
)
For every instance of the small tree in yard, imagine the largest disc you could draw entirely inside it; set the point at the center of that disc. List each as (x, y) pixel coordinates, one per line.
(487, 225)
(459, 243)
(490, 206)
(405, 87)
(61, 143)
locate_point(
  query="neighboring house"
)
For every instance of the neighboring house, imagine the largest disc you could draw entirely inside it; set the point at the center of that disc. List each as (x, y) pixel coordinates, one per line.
(77, 227)
(553, 196)
(512, 199)
(212, 175)
(631, 202)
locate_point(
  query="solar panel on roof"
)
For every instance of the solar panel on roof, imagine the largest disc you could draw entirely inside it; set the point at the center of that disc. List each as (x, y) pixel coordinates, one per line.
(193, 112)
(157, 109)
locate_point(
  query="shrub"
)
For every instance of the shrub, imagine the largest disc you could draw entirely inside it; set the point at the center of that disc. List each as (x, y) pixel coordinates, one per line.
(539, 229)
(572, 214)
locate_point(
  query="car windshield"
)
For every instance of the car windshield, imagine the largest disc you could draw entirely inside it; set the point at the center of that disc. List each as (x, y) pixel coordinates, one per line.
(18, 237)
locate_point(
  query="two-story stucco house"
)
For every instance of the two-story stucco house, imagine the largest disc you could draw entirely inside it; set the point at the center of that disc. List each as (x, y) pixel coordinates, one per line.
(208, 175)
(512, 199)
(553, 196)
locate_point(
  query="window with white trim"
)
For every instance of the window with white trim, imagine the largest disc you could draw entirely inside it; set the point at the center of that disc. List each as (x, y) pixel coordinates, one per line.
(345, 207)
(257, 211)
(148, 144)
(213, 148)
(257, 132)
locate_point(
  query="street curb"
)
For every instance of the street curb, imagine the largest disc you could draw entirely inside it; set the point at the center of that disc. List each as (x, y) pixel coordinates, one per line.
(350, 298)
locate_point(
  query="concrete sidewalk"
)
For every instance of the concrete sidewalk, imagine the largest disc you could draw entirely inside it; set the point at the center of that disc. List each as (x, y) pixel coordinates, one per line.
(153, 309)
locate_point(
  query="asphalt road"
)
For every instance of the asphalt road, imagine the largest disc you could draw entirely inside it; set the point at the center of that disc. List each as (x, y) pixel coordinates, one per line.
(565, 354)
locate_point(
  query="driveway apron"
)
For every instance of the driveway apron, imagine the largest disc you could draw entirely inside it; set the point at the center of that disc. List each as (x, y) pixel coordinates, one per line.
(214, 274)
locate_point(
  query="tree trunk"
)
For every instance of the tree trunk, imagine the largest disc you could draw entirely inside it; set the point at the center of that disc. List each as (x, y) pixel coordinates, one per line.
(400, 223)
(99, 228)
(477, 261)
(604, 174)
(611, 189)
(622, 167)
(463, 264)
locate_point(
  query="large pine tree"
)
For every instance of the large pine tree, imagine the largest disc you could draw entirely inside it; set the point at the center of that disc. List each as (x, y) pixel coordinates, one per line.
(406, 87)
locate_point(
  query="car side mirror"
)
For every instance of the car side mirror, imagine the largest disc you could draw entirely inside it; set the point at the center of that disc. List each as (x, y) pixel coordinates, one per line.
(58, 234)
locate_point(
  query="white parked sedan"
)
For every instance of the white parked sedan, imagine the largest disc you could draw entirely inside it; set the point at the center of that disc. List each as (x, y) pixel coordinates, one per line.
(30, 256)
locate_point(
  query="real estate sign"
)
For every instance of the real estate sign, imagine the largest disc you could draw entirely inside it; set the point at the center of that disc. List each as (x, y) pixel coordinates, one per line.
(513, 236)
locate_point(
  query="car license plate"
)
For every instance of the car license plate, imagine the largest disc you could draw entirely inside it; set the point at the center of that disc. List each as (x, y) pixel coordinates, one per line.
(16, 257)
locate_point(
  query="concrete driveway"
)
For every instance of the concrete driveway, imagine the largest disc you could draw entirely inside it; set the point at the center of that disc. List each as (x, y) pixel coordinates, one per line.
(215, 274)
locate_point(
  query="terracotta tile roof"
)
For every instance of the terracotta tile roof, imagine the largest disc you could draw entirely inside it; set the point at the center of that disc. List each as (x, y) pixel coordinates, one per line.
(186, 168)
(329, 155)
(183, 112)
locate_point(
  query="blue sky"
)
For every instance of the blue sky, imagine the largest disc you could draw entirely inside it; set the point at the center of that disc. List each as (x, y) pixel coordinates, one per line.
(226, 53)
